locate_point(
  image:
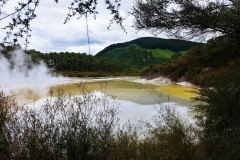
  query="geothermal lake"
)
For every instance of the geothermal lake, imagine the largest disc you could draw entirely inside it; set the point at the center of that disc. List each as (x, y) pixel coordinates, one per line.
(135, 97)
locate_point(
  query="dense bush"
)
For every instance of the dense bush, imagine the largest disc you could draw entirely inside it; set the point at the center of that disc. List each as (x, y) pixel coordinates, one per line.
(218, 112)
(201, 64)
(169, 136)
(64, 127)
(85, 127)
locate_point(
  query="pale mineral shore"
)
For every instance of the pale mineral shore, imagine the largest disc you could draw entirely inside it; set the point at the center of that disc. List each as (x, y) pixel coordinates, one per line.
(155, 81)
(161, 81)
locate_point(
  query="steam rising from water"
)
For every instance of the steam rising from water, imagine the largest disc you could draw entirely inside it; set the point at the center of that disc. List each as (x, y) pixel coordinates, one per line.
(20, 69)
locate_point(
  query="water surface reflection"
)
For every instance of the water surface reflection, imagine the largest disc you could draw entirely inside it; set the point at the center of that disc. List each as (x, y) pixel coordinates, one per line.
(136, 100)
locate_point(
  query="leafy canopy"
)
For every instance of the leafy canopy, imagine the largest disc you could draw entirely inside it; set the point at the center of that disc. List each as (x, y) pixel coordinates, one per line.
(187, 19)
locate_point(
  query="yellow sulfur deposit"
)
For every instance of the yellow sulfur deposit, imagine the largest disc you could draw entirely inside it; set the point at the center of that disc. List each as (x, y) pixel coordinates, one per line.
(180, 91)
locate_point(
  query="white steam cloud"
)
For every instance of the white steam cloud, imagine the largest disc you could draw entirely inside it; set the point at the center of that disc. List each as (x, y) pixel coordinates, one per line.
(20, 69)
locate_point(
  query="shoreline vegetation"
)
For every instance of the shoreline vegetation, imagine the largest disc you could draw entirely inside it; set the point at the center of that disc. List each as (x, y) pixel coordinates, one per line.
(202, 65)
(97, 74)
(85, 127)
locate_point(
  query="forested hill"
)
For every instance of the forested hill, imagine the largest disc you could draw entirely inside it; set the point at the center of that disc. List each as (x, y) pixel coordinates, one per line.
(153, 43)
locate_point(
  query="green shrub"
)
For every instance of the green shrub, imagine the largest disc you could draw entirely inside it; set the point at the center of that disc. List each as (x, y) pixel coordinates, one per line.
(85, 127)
(8, 110)
(218, 112)
(64, 127)
(170, 136)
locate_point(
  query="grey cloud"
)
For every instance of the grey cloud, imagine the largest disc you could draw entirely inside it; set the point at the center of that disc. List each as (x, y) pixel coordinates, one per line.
(50, 34)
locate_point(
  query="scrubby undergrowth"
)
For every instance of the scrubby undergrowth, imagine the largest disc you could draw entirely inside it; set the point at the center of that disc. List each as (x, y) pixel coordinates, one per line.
(86, 127)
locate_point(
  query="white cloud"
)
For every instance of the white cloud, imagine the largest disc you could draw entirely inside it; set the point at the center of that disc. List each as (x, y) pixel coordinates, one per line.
(49, 34)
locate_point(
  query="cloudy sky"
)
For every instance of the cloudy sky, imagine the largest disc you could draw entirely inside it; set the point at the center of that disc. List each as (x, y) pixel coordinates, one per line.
(49, 34)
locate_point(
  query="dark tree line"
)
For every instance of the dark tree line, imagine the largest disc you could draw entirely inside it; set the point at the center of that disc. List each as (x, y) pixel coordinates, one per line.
(80, 62)
(66, 62)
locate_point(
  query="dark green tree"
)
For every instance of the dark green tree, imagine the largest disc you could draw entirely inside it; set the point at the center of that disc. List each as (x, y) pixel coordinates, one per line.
(218, 106)
(187, 19)
(218, 112)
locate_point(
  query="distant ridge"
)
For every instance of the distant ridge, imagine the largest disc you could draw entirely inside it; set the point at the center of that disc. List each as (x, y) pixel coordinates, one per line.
(153, 43)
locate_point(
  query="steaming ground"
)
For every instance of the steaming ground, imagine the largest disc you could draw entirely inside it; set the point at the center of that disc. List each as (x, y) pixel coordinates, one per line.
(19, 69)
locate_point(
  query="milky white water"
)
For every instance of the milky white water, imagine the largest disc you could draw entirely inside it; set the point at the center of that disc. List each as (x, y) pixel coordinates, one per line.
(135, 100)
(29, 83)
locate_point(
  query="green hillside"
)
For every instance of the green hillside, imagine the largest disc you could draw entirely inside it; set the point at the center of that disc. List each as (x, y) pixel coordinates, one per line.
(143, 52)
(165, 54)
(135, 56)
(153, 43)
